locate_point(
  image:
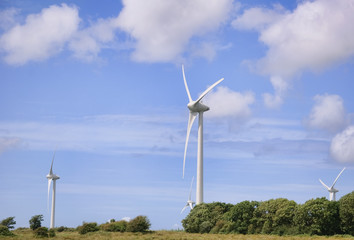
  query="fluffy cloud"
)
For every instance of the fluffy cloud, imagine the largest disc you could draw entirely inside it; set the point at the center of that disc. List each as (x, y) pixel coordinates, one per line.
(162, 29)
(87, 43)
(314, 36)
(41, 36)
(328, 113)
(342, 146)
(226, 103)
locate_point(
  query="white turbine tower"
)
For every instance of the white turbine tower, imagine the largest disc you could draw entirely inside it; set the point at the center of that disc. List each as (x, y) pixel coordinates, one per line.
(332, 191)
(52, 178)
(196, 107)
(189, 202)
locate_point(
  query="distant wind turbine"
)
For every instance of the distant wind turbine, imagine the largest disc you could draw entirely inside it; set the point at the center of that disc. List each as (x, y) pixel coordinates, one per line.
(196, 107)
(332, 191)
(189, 202)
(52, 178)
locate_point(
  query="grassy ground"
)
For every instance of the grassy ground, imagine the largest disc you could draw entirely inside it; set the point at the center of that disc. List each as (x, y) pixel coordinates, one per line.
(165, 235)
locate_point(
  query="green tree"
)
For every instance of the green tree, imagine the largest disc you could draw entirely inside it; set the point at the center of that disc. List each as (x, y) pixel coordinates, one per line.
(138, 224)
(36, 221)
(318, 216)
(346, 213)
(241, 215)
(273, 216)
(210, 213)
(8, 222)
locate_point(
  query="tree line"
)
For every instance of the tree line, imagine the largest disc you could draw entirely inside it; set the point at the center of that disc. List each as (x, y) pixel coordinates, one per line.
(276, 216)
(137, 224)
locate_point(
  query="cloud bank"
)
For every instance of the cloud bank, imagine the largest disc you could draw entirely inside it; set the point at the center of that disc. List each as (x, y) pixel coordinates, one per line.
(316, 35)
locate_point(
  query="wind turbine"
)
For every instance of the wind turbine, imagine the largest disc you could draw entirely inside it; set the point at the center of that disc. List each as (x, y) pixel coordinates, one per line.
(332, 191)
(52, 178)
(189, 202)
(196, 107)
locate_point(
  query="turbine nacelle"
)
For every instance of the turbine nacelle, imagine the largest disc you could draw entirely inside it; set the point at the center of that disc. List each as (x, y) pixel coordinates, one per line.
(52, 177)
(197, 107)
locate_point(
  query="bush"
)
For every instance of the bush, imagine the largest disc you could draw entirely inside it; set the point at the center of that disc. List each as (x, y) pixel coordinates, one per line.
(119, 226)
(138, 224)
(205, 227)
(41, 232)
(51, 232)
(35, 222)
(87, 227)
(61, 229)
(4, 231)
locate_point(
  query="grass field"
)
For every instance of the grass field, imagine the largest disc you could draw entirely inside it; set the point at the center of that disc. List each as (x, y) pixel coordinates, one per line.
(162, 235)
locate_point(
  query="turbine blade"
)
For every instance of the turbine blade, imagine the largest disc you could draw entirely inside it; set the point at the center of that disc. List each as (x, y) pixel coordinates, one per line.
(184, 208)
(324, 185)
(208, 90)
(49, 183)
(185, 84)
(337, 178)
(190, 190)
(192, 116)
(51, 166)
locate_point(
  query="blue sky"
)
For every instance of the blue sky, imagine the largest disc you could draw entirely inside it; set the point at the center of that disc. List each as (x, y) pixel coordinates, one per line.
(102, 83)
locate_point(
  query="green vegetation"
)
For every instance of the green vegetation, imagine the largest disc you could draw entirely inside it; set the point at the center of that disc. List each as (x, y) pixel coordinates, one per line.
(36, 222)
(138, 224)
(276, 216)
(27, 234)
(41, 232)
(87, 227)
(4, 231)
(8, 222)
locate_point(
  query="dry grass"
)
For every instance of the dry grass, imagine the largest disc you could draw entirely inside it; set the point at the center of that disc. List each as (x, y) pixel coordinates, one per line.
(165, 235)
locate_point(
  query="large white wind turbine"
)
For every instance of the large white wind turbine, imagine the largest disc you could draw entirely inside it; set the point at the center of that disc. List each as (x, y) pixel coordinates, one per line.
(52, 178)
(196, 107)
(189, 202)
(332, 191)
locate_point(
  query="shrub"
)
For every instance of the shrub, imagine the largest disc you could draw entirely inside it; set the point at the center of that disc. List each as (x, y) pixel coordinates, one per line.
(138, 224)
(87, 227)
(4, 231)
(41, 232)
(51, 232)
(61, 229)
(119, 226)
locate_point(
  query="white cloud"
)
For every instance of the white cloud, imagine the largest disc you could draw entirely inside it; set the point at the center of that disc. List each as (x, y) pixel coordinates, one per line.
(226, 103)
(7, 143)
(126, 219)
(342, 144)
(328, 113)
(87, 43)
(258, 18)
(316, 35)
(162, 29)
(41, 36)
(8, 18)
